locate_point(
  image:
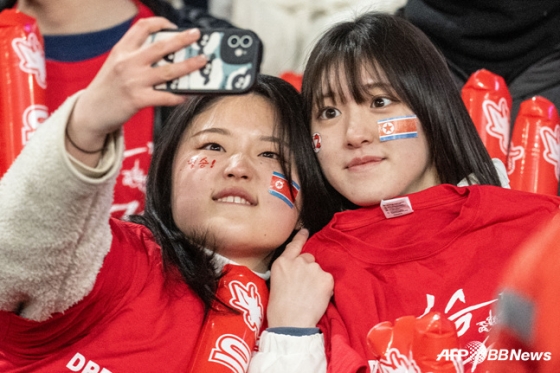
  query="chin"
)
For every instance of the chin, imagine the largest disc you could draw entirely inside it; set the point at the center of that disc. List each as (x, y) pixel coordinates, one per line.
(369, 201)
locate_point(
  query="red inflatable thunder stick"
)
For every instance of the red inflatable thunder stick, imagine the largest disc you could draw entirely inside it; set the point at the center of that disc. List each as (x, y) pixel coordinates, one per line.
(416, 345)
(22, 83)
(488, 102)
(534, 161)
(293, 78)
(228, 339)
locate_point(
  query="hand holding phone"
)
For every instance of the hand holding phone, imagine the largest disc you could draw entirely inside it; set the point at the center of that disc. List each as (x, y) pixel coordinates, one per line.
(234, 57)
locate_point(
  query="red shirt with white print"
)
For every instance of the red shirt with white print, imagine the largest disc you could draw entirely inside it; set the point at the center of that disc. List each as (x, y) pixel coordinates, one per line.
(65, 79)
(134, 320)
(447, 256)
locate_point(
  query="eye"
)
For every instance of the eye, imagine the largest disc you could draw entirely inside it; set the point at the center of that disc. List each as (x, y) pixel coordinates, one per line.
(213, 147)
(271, 155)
(328, 113)
(381, 102)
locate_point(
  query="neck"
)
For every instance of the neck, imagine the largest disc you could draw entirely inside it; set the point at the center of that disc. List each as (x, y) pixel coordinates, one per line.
(255, 265)
(64, 17)
(259, 266)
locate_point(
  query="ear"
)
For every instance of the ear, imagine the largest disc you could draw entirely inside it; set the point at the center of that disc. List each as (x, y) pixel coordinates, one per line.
(299, 224)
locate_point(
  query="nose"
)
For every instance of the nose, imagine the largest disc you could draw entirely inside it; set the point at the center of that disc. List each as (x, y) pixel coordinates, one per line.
(239, 167)
(360, 129)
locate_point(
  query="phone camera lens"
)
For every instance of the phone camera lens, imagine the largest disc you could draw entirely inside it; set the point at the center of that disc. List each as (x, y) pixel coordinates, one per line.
(233, 41)
(246, 41)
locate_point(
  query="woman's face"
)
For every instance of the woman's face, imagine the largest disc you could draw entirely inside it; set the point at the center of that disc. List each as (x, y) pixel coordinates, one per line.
(359, 155)
(228, 183)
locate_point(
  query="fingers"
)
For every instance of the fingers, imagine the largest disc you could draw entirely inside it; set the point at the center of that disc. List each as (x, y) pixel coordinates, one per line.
(136, 41)
(309, 258)
(139, 32)
(168, 43)
(175, 70)
(300, 291)
(125, 82)
(151, 53)
(293, 249)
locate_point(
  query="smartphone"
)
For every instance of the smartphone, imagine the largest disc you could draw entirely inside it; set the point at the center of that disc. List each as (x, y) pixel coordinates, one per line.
(234, 58)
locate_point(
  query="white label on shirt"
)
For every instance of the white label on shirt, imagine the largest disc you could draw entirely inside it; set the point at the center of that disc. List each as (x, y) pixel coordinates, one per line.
(396, 207)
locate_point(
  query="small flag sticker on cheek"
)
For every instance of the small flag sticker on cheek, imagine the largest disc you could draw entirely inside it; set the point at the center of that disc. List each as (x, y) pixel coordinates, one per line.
(280, 188)
(398, 128)
(316, 142)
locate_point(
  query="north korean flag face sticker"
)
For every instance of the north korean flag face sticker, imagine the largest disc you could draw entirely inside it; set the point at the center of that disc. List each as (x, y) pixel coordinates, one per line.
(280, 188)
(398, 128)
(316, 142)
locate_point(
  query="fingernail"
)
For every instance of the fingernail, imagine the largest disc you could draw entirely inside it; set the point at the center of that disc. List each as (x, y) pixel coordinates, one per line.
(193, 32)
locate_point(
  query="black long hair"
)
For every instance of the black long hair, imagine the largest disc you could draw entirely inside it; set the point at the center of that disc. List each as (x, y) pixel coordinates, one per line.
(184, 254)
(392, 48)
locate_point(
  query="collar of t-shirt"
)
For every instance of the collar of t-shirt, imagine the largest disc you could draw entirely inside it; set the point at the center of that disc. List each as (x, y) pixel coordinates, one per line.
(80, 47)
(221, 261)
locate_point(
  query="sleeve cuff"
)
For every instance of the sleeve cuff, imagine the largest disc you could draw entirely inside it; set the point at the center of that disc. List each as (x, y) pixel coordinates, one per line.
(293, 331)
(106, 163)
(290, 344)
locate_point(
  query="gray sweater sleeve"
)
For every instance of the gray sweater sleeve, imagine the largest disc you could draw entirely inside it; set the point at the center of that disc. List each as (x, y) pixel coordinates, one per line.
(54, 223)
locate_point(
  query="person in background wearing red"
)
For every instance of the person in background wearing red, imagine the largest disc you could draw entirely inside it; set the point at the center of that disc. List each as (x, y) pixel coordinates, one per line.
(78, 36)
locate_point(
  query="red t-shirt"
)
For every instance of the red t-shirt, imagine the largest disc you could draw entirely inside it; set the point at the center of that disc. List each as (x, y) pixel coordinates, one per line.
(66, 78)
(446, 256)
(132, 321)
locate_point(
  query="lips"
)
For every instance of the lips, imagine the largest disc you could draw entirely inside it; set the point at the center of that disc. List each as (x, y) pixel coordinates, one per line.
(235, 196)
(360, 161)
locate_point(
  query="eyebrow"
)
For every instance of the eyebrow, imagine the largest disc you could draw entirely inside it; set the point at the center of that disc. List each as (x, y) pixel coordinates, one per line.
(273, 139)
(382, 85)
(223, 131)
(367, 87)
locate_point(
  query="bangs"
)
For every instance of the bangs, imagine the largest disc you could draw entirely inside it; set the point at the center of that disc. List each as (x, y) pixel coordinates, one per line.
(341, 73)
(373, 47)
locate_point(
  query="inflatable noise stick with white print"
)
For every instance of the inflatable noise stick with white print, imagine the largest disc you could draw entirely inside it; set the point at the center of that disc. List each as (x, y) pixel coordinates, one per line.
(534, 154)
(229, 335)
(415, 345)
(488, 102)
(22, 83)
